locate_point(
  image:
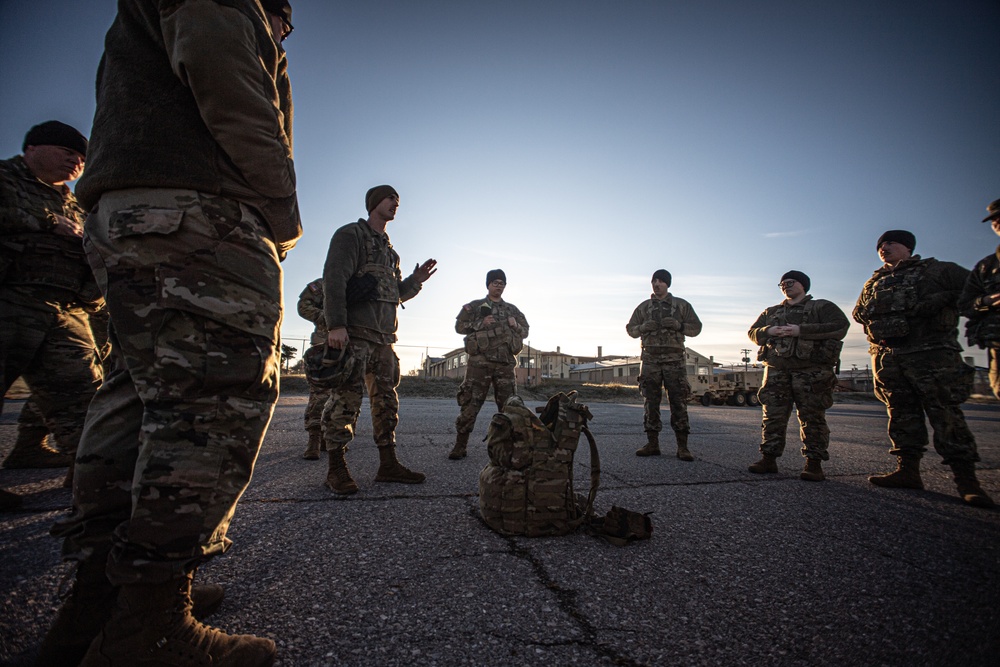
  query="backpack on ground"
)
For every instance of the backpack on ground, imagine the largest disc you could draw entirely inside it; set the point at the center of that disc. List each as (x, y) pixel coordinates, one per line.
(527, 487)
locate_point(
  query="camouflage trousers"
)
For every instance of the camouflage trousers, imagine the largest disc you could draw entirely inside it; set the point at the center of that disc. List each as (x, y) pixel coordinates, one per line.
(653, 378)
(810, 391)
(933, 383)
(480, 375)
(376, 368)
(193, 287)
(314, 409)
(55, 353)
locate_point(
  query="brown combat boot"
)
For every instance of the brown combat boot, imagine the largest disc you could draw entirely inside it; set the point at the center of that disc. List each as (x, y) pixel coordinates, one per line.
(652, 446)
(682, 447)
(968, 485)
(30, 451)
(88, 607)
(905, 476)
(151, 624)
(313, 447)
(459, 450)
(391, 470)
(813, 472)
(767, 464)
(338, 478)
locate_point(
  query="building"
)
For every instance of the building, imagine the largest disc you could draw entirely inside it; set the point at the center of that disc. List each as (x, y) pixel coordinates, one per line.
(533, 365)
(625, 370)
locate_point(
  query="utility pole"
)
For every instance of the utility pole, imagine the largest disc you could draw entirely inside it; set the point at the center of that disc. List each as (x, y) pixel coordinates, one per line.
(746, 359)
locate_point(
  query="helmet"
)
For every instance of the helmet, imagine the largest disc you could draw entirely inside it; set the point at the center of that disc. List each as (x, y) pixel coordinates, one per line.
(326, 367)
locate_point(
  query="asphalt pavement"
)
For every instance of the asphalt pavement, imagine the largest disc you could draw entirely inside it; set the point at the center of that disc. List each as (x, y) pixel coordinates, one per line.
(741, 569)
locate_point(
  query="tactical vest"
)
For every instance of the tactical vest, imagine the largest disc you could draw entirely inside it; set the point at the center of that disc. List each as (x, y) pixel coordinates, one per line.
(660, 309)
(381, 262)
(983, 328)
(499, 337)
(821, 352)
(887, 300)
(527, 487)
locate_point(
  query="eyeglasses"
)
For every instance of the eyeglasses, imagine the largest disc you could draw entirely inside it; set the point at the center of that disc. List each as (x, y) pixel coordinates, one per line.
(498, 283)
(286, 29)
(787, 283)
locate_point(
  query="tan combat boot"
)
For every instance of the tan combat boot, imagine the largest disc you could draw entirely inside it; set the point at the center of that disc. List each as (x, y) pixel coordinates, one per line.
(338, 478)
(151, 624)
(391, 470)
(314, 445)
(767, 464)
(682, 448)
(88, 607)
(905, 476)
(31, 451)
(813, 472)
(459, 450)
(652, 446)
(968, 485)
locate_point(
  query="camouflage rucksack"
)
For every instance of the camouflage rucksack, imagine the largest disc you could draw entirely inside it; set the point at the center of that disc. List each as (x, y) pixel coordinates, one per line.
(527, 487)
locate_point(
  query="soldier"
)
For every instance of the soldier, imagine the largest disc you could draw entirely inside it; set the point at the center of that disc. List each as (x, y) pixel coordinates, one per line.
(494, 332)
(46, 289)
(980, 302)
(311, 308)
(362, 286)
(193, 205)
(662, 322)
(800, 343)
(910, 314)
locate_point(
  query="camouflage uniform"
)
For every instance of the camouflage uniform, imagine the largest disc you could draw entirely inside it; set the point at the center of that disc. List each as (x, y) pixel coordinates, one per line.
(492, 354)
(799, 371)
(910, 317)
(46, 289)
(310, 307)
(983, 327)
(662, 325)
(357, 250)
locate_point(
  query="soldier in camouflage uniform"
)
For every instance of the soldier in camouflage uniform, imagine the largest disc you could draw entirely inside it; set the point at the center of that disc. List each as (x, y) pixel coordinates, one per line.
(800, 343)
(662, 322)
(909, 308)
(362, 286)
(193, 205)
(980, 302)
(46, 289)
(494, 332)
(311, 308)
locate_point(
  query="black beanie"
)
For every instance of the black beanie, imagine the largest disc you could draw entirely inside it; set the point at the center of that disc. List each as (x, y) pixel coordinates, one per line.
(495, 274)
(662, 275)
(900, 236)
(375, 196)
(799, 276)
(54, 133)
(278, 8)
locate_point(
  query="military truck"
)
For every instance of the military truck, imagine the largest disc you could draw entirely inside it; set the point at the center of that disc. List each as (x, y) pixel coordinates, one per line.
(737, 387)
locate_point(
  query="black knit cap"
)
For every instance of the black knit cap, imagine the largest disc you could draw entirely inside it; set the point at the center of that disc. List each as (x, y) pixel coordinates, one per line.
(375, 196)
(54, 133)
(900, 236)
(662, 275)
(799, 276)
(495, 274)
(279, 8)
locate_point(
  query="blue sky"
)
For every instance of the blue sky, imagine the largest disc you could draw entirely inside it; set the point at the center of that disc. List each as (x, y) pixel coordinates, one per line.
(580, 145)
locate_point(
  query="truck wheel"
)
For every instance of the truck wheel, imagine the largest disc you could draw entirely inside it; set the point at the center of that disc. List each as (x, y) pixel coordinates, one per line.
(739, 400)
(752, 399)
(706, 400)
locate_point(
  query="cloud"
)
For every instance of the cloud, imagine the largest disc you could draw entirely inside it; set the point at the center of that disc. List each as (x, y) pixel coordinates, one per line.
(782, 235)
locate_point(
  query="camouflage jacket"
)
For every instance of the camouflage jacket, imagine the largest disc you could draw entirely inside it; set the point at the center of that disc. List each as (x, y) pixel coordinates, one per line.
(40, 267)
(662, 324)
(983, 327)
(912, 307)
(822, 327)
(310, 307)
(222, 118)
(357, 250)
(498, 341)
